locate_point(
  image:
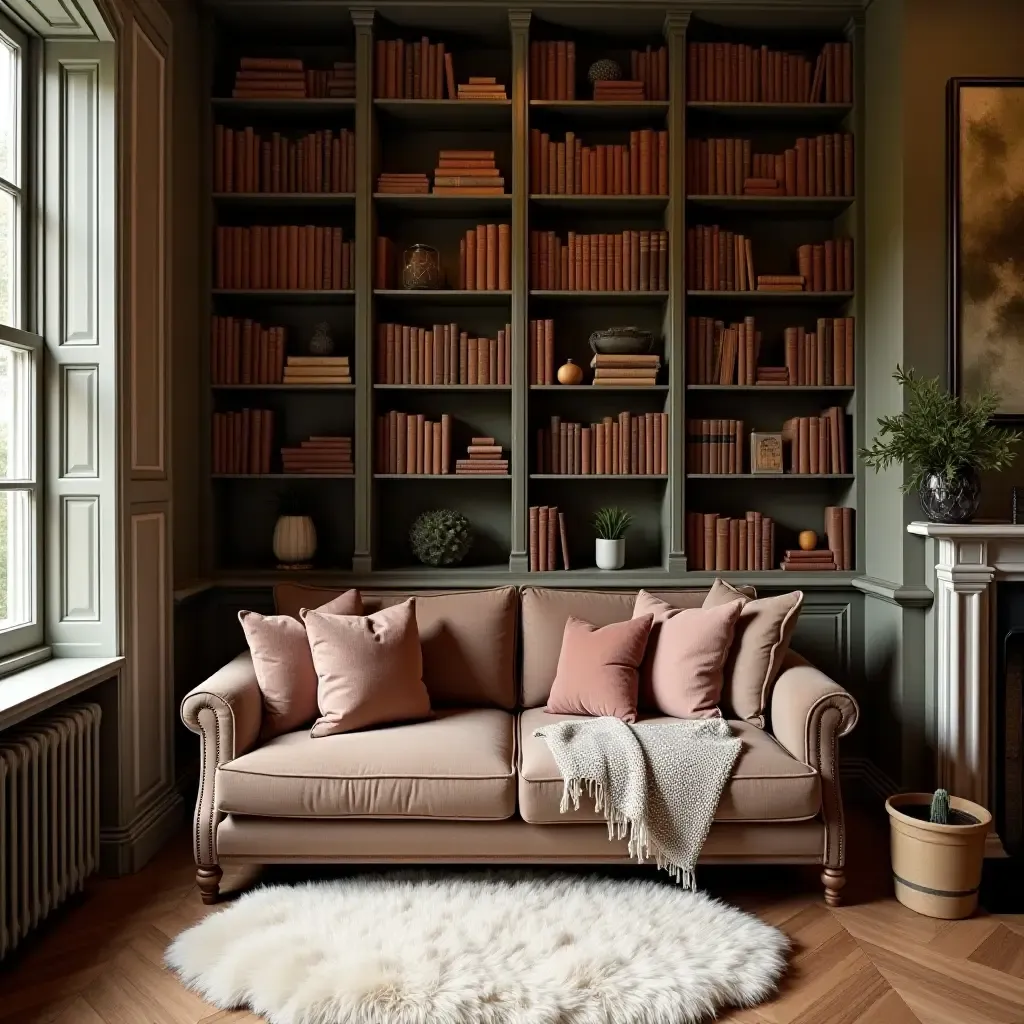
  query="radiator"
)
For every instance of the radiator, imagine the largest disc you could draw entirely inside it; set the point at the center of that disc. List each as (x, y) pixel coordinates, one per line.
(49, 815)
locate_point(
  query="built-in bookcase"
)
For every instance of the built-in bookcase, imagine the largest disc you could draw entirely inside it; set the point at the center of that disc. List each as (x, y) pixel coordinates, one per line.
(363, 519)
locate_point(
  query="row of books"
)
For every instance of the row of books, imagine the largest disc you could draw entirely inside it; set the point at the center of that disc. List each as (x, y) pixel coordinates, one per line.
(714, 446)
(541, 351)
(827, 267)
(308, 258)
(412, 70)
(243, 441)
(569, 167)
(737, 73)
(409, 443)
(817, 444)
(633, 444)
(720, 353)
(818, 166)
(441, 354)
(716, 543)
(629, 261)
(824, 356)
(547, 526)
(484, 457)
(288, 78)
(243, 351)
(244, 161)
(323, 455)
(485, 258)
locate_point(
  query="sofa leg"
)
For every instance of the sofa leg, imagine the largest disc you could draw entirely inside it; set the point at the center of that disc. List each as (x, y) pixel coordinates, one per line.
(833, 879)
(208, 880)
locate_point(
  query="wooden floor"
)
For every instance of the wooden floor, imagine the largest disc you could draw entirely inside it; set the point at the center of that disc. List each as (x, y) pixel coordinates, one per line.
(869, 962)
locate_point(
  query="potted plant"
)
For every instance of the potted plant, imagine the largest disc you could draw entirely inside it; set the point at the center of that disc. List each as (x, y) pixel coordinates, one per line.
(937, 848)
(943, 442)
(610, 525)
(441, 537)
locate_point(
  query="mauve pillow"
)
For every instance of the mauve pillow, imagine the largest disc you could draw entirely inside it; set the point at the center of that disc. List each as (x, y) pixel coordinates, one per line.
(369, 668)
(762, 636)
(283, 665)
(681, 674)
(597, 668)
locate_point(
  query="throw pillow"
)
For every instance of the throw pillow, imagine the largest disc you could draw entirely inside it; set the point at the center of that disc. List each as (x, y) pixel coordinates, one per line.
(681, 674)
(283, 665)
(597, 668)
(762, 636)
(369, 668)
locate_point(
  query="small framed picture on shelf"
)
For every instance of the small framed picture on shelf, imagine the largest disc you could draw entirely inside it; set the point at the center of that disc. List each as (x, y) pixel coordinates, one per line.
(766, 452)
(985, 148)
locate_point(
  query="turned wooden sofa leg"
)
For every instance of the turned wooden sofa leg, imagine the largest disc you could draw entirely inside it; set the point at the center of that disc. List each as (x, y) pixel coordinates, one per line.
(208, 880)
(833, 879)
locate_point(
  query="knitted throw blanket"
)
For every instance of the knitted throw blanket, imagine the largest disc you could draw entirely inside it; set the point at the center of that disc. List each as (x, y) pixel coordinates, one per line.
(658, 784)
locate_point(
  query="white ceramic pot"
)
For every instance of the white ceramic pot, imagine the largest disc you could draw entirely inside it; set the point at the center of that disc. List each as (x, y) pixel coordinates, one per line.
(294, 539)
(610, 554)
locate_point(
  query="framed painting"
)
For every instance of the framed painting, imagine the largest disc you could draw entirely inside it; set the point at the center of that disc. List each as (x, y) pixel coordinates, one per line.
(985, 140)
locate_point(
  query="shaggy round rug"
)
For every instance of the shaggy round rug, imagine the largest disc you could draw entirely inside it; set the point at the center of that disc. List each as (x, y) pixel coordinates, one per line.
(480, 949)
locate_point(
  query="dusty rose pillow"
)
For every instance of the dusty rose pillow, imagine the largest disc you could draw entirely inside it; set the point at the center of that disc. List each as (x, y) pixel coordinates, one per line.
(597, 668)
(369, 668)
(283, 665)
(681, 674)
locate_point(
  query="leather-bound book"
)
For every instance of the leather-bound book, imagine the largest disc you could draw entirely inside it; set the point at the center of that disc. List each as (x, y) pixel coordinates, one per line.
(846, 514)
(813, 427)
(552, 559)
(504, 282)
(481, 257)
(830, 265)
(549, 351)
(742, 545)
(734, 545)
(469, 282)
(542, 538)
(721, 545)
(491, 257)
(824, 429)
(803, 426)
(564, 536)
(418, 437)
(710, 538)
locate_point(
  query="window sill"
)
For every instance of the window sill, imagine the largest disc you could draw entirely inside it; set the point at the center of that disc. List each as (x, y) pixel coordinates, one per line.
(32, 690)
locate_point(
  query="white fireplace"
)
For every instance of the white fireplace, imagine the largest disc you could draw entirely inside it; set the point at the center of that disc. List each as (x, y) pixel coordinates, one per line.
(969, 560)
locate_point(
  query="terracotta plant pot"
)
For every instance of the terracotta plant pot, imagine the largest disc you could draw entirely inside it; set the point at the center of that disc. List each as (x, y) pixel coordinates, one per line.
(937, 868)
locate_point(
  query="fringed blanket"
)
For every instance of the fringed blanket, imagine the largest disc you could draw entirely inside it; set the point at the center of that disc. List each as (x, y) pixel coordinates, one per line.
(657, 784)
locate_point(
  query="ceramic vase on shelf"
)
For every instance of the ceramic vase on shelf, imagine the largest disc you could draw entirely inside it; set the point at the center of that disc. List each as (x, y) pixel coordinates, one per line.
(610, 554)
(421, 267)
(294, 541)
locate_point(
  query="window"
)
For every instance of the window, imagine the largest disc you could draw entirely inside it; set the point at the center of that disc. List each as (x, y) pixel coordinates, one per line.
(20, 369)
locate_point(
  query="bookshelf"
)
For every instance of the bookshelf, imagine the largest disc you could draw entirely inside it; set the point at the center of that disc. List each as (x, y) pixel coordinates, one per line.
(362, 519)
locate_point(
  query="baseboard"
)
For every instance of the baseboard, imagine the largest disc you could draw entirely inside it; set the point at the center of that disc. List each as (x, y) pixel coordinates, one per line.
(126, 849)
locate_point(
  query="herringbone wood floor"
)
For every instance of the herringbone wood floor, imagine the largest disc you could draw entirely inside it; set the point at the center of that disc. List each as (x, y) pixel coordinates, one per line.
(869, 962)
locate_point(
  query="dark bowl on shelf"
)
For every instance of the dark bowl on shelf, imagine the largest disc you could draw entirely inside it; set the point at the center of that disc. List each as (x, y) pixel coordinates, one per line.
(621, 341)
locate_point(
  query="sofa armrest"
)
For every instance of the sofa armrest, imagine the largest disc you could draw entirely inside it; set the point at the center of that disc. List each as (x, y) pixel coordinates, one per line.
(226, 711)
(809, 712)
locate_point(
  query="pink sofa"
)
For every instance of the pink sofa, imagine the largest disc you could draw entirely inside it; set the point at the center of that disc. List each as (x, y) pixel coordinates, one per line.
(472, 784)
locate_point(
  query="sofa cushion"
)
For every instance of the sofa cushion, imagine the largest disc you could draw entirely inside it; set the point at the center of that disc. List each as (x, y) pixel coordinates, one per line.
(457, 766)
(767, 784)
(545, 612)
(468, 638)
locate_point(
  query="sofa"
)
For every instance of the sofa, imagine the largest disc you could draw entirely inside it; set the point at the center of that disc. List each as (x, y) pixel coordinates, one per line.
(472, 784)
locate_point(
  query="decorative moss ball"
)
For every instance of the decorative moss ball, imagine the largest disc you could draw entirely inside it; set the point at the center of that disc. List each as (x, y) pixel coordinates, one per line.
(441, 537)
(604, 70)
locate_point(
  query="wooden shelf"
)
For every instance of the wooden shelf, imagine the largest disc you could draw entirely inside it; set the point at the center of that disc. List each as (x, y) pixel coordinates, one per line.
(820, 206)
(601, 204)
(442, 476)
(789, 477)
(283, 387)
(830, 112)
(769, 388)
(760, 296)
(447, 114)
(434, 205)
(605, 298)
(599, 476)
(283, 476)
(312, 297)
(282, 106)
(442, 387)
(285, 198)
(614, 112)
(594, 390)
(445, 296)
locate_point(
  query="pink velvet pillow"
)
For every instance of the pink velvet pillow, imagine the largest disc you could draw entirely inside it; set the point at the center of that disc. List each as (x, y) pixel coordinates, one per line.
(681, 674)
(283, 665)
(597, 668)
(369, 668)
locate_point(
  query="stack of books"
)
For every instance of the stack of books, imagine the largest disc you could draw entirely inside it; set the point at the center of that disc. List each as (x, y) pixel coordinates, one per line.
(839, 531)
(403, 184)
(623, 89)
(485, 258)
(409, 443)
(547, 525)
(327, 456)
(717, 543)
(714, 446)
(468, 172)
(625, 371)
(270, 78)
(317, 370)
(482, 89)
(809, 561)
(763, 187)
(773, 376)
(242, 441)
(337, 83)
(780, 282)
(484, 457)
(817, 444)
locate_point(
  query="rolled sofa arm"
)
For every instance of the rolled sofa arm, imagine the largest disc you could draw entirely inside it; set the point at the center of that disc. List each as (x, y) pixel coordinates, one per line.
(809, 712)
(226, 711)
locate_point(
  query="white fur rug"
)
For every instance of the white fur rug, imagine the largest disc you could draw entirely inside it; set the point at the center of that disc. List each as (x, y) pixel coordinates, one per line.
(480, 949)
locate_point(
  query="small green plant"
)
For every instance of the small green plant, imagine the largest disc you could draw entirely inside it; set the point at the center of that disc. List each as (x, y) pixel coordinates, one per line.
(441, 537)
(611, 523)
(939, 433)
(939, 814)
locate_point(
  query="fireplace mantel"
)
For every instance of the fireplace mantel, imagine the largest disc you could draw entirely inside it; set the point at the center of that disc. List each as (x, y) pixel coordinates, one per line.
(969, 559)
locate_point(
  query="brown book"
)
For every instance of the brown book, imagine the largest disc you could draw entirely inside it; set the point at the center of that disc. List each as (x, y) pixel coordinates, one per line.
(534, 538)
(549, 351)
(542, 538)
(446, 443)
(710, 539)
(803, 444)
(722, 545)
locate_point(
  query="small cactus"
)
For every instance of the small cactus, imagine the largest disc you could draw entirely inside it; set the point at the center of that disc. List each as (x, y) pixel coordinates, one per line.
(940, 808)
